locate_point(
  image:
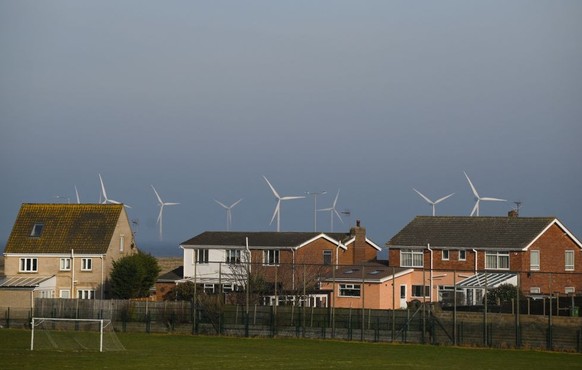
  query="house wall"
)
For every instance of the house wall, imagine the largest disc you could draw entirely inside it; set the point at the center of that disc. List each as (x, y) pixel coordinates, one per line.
(16, 298)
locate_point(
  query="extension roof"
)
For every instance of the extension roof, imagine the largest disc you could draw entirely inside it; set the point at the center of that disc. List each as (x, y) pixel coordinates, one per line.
(263, 239)
(473, 232)
(85, 228)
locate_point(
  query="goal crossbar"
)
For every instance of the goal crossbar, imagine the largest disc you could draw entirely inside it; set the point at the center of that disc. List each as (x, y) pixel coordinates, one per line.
(39, 320)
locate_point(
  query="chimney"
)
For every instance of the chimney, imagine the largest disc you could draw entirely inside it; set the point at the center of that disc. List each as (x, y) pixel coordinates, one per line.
(513, 213)
(362, 252)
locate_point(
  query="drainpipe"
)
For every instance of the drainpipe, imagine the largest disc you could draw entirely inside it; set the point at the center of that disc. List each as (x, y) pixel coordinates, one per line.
(72, 273)
(102, 281)
(474, 250)
(431, 266)
(293, 264)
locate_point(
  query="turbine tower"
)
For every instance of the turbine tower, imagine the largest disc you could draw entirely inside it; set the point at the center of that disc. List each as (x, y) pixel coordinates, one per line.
(277, 212)
(161, 203)
(478, 198)
(431, 202)
(228, 212)
(333, 211)
(315, 194)
(107, 200)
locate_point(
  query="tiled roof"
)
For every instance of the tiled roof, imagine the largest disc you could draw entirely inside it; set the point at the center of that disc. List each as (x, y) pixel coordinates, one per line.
(371, 272)
(471, 232)
(258, 239)
(171, 276)
(85, 228)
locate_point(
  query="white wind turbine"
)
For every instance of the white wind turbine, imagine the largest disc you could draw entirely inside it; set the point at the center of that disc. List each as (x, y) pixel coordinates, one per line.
(107, 200)
(478, 199)
(77, 194)
(431, 202)
(161, 203)
(277, 212)
(333, 211)
(228, 212)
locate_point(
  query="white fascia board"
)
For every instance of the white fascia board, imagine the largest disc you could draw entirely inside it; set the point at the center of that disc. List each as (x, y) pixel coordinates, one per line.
(561, 226)
(373, 244)
(324, 236)
(54, 255)
(408, 247)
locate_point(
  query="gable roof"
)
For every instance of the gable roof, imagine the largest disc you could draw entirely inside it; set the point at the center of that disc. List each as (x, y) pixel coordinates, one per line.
(471, 232)
(85, 228)
(261, 239)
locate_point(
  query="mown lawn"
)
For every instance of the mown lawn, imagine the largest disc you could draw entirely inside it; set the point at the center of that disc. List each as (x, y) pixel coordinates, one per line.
(152, 351)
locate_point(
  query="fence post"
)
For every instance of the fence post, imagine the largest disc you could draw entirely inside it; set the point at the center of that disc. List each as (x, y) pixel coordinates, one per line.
(7, 315)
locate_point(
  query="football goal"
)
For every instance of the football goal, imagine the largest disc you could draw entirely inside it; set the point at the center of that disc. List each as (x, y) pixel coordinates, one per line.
(73, 335)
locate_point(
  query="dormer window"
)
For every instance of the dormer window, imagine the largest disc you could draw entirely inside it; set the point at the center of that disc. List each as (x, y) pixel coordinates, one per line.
(37, 230)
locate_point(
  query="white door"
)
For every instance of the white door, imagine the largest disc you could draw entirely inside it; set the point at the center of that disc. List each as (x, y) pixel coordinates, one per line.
(403, 296)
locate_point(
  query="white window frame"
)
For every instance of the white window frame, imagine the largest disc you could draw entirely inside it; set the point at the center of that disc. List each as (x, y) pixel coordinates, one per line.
(85, 293)
(535, 290)
(494, 260)
(86, 264)
(569, 260)
(411, 258)
(233, 256)
(201, 256)
(28, 264)
(327, 257)
(415, 289)
(121, 242)
(569, 290)
(36, 231)
(65, 264)
(271, 257)
(534, 260)
(350, 290)
(446, 254)
(462, 254)
(65, 293)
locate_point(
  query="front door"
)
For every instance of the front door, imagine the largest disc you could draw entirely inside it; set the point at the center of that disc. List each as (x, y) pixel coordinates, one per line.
(403, 296)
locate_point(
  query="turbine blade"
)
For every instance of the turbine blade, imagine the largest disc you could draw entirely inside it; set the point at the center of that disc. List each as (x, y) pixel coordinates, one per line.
(335, 200)
(272, 188)
(160, 214)
(103, 189)
(292, 197)
(235, 203)
(222, 204)
(338, 215)
(443, 198)
(494, 199)
(171, 204)
(472, 187)
(422, 195)
(276, 211)
(475, 208)
(157, 195)
(77, 194)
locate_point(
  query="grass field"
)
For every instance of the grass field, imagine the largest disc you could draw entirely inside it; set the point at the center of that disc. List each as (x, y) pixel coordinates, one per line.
(151, 351)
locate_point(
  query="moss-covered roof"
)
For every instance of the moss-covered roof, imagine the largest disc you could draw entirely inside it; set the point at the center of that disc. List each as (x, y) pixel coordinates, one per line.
(85, 228)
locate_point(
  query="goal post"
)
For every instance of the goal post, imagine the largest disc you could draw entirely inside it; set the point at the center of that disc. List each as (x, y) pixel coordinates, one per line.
(73, 334)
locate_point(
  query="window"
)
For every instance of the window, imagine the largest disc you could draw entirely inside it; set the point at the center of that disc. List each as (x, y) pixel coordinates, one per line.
(349, 290)
(47, 294)
(86, 294)
(271, 257)
(36, 230)
(445, 254)
(569, 260)
(28, 265)
(233, 256)
(411, 258)
(569, 290)
(462, 255)
(497, 260)
(327, 257)
(535, 290)
(417, 291)
(121, 242)
(534, 260)
(86, 264)
(64, 293)
(201, 256)
(65, 264)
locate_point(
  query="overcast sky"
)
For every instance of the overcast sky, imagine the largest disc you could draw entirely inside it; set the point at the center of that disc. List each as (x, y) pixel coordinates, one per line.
(203, 98)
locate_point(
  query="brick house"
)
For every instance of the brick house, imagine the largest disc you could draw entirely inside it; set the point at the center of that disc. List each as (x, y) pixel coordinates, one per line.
(467, 253)
(63, 251)
(286, 261)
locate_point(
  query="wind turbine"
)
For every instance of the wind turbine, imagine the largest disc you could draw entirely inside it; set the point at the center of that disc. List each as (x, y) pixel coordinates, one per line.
(277, 212)
(228, 212)
(161, 203)
(430, 201)
(107, 200)
(77, 194)
(333, 211)
(478, 199)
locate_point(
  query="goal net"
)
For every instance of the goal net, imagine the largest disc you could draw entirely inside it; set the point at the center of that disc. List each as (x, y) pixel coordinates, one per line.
(73, 335)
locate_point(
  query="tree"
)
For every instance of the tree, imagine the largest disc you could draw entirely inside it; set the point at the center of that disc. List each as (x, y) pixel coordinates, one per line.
(133, 276)
(503, 293)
